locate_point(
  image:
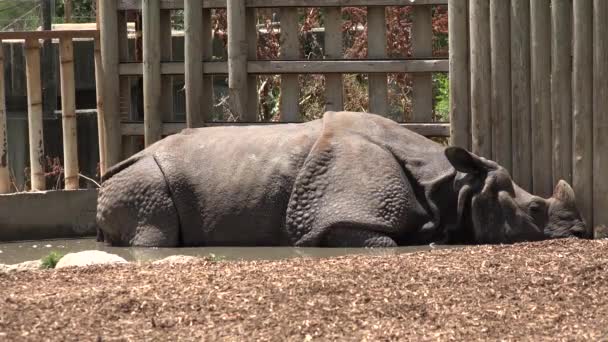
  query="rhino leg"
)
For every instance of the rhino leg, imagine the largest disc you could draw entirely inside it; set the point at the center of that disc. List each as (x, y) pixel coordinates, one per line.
(353, 237)
(135, 208)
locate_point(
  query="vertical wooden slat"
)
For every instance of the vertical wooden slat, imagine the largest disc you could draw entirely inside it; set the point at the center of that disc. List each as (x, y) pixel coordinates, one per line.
(561, 89)
(207, 91)
(290, 49)
(166, 55)
(68, 113)
(34, 104)
(582, 106)
(237, 57)
(422, 46)
(5, 181)
(108, 24)
(376, 47)
(101, 115)
(251, 112)
(520, 93)
(460, 119)
(129, 143)
(151, 73)
(334, 100)
(193, 55)
(540, 33)
(481, 128)
(501, 82)
(600, 113)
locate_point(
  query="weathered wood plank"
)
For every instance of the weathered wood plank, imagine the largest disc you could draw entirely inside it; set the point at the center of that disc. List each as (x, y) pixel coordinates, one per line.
(582, 107)
(334, 90)
(251, 113)
(68, 114)
(5, 181)
(101, 114)
(481, 127)
(501, 82)
(600, 113)
(540, 33)
(422, 46)
(304, 67)
(520, 93)
(561, 89)
(290, 49)
(15, 35)
(426, 129)
(460, 119)
(152, 73)
(166, 55)
(376, 48)
(207, 91)
(193, 52)
(179, 4)
(129, 144)
(237, 58)
(34, 111)
(109, 47)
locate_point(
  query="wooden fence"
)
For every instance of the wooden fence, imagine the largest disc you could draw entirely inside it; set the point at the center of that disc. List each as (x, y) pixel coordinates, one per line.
(242, 68)
(529, 89)
(35, 113)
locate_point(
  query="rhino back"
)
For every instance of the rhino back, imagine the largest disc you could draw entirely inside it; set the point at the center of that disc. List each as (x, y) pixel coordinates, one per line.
(231, 185)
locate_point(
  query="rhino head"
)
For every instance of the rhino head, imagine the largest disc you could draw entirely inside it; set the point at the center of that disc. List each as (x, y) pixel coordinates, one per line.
(501, 211)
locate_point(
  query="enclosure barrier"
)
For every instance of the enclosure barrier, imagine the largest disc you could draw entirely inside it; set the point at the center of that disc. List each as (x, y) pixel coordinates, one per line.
(34, 100)
(529, 89)
(242, 68)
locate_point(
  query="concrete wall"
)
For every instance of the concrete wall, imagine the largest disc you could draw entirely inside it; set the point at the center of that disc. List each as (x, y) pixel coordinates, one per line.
(47, 215)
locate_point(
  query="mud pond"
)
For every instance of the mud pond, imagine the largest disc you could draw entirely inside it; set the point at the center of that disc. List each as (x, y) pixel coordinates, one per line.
(16, 252)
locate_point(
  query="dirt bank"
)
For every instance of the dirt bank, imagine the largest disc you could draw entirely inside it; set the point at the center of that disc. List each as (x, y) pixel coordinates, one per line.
(551, 290)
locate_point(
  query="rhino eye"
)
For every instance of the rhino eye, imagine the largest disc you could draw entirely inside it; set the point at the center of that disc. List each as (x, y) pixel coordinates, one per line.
(535, 208)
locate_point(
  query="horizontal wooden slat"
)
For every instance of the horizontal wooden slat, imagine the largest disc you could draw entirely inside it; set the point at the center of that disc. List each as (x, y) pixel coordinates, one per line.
(137, 128)
(179, 4)
(304, 67)
(65, 34)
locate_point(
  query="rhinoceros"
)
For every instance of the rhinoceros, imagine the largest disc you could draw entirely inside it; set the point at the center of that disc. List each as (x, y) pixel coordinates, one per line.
(346, 180)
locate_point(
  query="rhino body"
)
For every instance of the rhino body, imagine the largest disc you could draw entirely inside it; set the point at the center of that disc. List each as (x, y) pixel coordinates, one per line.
(346, 180)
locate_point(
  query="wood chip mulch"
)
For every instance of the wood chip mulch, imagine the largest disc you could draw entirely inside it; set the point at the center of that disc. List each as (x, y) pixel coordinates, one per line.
(551, 290)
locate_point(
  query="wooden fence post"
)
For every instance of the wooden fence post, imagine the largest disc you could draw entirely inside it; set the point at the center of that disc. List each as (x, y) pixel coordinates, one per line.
(600, 116)
(540, 33)
(561, 89)
(290, 49)
(68, 114)
(422, 46)
(582, 106)
(101, 115)
(333, 50)
(193, 55)
(207, 43)
(251, 112)
(166, 55)
(460, 119)
(520, 93)
(151, 72)
(108, 74)
(501, 82)
(376, 48)
(5, 181)
(34, 102)
(481, 127)
(237, 57)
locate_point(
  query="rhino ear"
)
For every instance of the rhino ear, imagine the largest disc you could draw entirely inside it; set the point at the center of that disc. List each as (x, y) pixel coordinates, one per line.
(564, 192)
(464, 161)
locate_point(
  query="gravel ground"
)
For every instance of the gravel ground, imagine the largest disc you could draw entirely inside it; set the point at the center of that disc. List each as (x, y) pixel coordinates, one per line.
(552, 290)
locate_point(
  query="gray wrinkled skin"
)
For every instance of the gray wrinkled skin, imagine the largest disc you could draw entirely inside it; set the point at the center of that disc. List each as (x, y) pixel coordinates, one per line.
(347, 180)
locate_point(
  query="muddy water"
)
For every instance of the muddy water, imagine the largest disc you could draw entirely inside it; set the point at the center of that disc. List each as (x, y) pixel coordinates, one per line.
(15, 252)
